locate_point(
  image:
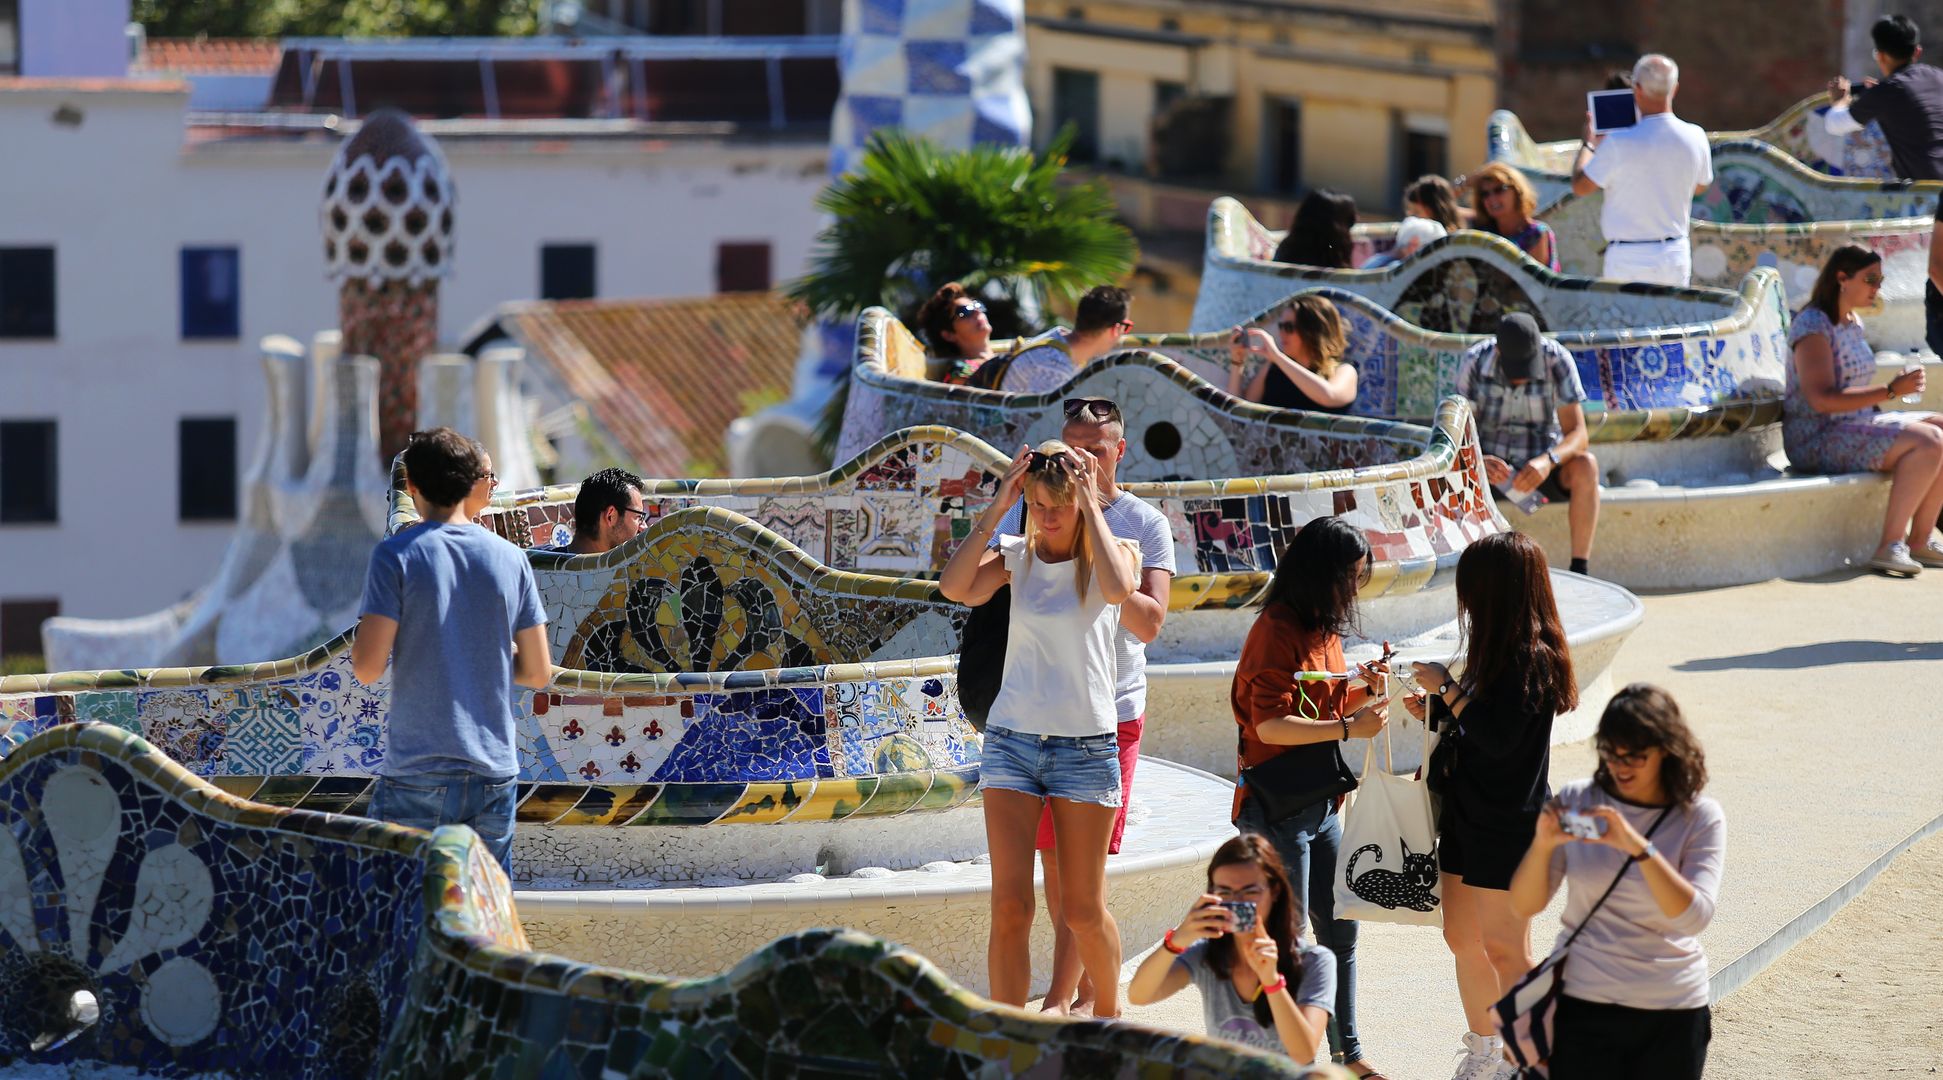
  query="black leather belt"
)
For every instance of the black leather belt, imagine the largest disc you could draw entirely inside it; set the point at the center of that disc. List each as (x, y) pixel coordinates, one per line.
(1661, 240)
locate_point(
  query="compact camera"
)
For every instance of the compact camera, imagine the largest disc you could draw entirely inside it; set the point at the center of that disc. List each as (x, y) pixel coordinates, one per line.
(1583, 826)
(1244, 913)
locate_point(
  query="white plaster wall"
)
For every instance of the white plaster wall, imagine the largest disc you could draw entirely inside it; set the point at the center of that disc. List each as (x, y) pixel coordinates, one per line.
(119, 195)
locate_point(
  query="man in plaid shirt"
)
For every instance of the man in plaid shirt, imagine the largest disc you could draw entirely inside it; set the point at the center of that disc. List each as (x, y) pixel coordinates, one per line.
(1525, 392)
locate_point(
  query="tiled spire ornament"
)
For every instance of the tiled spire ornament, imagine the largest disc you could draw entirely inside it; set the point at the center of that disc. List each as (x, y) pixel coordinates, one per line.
(387, 223)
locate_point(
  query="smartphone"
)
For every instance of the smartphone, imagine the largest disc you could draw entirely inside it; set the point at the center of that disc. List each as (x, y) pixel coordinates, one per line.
(1611, 110)
(1583, 826)
(1244, 913)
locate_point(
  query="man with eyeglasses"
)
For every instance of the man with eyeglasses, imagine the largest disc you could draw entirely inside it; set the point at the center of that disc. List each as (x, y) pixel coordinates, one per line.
(1094, 426)
(1042, 364)
(607, 513)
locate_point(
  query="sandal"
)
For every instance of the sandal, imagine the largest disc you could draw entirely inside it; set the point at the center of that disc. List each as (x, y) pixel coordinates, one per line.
(1373, 1074)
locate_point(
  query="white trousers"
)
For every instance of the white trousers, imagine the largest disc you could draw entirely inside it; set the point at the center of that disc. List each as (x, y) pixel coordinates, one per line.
(1665, 262)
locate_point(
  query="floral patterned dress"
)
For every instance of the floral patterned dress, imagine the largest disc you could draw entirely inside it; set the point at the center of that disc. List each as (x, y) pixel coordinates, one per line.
(1820, 442)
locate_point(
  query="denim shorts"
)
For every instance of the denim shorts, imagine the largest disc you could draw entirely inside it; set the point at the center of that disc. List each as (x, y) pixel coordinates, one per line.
(1083, 768)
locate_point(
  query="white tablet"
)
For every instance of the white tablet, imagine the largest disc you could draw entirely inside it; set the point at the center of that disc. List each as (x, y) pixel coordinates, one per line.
(1612, 110)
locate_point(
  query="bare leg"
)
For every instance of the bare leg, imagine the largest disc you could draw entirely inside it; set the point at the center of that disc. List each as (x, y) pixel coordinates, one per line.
(1580, 478)
(1931, 508)
(1912, 464)
(1065, 958)
(1083, 829)
(1011, 826)
(1492, 947)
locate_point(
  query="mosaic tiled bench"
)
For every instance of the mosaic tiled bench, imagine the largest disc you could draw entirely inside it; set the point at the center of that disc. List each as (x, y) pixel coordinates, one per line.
(1764, 209)
(218, 936)
(1638, 346)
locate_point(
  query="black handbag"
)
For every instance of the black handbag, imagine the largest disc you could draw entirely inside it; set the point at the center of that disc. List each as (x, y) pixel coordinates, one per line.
(981, 655)
(1297, 779)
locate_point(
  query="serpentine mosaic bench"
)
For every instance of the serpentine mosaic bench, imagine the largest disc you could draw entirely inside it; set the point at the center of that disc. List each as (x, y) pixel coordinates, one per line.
(1638, 346)
(1764, 208)
(210, 935)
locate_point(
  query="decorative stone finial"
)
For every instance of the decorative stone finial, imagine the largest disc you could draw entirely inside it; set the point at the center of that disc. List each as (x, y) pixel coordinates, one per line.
(387, 209)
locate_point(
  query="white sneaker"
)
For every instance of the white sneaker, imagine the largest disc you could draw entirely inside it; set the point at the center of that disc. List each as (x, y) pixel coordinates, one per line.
(1896, 562)
(1481, 1058)
(1507, 1069)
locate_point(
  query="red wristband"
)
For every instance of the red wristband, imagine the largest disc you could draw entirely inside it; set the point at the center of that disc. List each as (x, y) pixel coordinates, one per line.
(1167, 942)
(1281, 983)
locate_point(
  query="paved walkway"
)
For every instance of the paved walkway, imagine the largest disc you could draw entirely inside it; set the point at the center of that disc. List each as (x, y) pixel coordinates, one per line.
(1818, 704)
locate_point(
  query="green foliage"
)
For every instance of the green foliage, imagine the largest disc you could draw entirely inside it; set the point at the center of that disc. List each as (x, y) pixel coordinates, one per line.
(912, 217)
(336, 18)
(996, 219)
(23, 664)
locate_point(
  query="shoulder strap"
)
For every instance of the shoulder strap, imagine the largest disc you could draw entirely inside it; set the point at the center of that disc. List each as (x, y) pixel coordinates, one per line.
(1616, 878)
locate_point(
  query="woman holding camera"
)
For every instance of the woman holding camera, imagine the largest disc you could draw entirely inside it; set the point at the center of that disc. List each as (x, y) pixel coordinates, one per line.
(1635, 1001)
(1310, 602)
(1303, 366)
(1240, 948)
(1491, 768)
(1051, 736)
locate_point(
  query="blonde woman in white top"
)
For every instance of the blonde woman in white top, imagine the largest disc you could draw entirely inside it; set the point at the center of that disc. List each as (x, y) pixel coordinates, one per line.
(1051, 735)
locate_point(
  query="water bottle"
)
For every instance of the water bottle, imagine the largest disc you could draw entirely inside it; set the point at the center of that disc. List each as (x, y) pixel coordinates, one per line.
(1528, 501)
(1911, 399)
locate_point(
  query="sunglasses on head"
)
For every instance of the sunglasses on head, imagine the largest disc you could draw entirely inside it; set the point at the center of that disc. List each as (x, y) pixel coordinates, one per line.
(1098, 408)
(967, 309)
(1038, 462)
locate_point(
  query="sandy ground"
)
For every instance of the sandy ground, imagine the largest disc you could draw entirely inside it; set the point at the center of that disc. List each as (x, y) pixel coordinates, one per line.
(1863, 993)
(1817, 701)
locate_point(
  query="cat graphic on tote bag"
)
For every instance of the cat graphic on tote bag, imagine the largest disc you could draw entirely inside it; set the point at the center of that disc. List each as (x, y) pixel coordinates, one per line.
(1389, 889)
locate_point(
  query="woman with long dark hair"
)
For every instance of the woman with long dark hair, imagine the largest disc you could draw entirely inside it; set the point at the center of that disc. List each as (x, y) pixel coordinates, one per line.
(957, 329)
(1240, 946)
(1310, 602)
(1303, 366)
(1433, 197)
(1051, 736)
(1635, 1001)
(1319, 234)
(1833, 420)
(1491, 768)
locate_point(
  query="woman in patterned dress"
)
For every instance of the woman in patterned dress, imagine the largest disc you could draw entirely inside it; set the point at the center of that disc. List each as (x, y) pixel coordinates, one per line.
(1833, 420)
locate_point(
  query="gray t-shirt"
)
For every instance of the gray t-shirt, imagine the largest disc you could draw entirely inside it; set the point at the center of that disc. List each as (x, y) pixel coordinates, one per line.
(1229, 1017)
(459, 594)
(1130, 518)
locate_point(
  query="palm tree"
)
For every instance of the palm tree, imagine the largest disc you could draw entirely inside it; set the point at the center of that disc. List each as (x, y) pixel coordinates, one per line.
(997, 219)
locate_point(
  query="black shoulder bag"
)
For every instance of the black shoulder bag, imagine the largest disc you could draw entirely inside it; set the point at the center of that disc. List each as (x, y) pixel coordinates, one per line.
(981, 651)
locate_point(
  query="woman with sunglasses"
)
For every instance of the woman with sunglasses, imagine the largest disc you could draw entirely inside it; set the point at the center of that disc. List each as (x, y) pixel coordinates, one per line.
(955, 326)
(1310, 602)
(1833, 421)
(1240, 945)
(1504, 202)
(1051, 736)
(1491, 767)
(1303, 368)
(1635, 1002)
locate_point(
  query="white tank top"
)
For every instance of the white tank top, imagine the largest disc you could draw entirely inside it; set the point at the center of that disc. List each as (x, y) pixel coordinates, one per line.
(1059, 664)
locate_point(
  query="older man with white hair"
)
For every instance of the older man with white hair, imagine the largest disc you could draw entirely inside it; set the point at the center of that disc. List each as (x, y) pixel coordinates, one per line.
(1650, 173)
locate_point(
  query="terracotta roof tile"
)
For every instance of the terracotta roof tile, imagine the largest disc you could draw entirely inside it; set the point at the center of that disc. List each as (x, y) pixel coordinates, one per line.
(664, 378)
(213, 56)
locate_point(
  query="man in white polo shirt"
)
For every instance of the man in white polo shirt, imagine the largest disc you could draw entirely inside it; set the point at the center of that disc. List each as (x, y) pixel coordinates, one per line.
(1650, 173)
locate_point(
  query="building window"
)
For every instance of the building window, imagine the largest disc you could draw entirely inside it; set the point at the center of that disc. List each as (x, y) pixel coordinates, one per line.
(742, 267)
(1282, 145)
(1076, 101)
(26, 292)
(20, 625)
(1167, 93)
(28, 472)
(212, 294)
(567, 272)
(206, 469)
(1424, 153)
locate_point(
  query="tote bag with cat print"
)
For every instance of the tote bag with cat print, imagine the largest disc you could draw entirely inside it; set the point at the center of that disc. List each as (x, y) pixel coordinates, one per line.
(1386, 870)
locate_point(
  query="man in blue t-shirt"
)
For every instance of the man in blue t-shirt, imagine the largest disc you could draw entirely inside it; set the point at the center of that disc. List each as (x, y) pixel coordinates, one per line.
(456, 610)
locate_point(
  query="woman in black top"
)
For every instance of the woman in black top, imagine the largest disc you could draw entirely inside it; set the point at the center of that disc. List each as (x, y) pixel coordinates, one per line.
(1319, 234)
(1492, 764)
(1305, 368)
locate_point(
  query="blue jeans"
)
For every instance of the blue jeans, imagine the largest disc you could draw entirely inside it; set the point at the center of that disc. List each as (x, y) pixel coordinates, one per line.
(428, 800)
(1310, 843)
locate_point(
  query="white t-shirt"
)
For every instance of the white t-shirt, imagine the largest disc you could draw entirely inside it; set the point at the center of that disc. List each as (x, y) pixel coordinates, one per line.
(1648, 172)
(1058, 651)
(1131, 518)
(1042, 365)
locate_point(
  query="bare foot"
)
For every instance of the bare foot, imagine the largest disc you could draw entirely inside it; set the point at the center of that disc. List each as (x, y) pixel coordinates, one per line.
(1054, 1008)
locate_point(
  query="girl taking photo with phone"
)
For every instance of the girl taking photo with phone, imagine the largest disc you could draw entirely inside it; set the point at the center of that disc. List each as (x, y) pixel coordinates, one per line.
(1051, 736)
(1634, 1005)
(1238, 945)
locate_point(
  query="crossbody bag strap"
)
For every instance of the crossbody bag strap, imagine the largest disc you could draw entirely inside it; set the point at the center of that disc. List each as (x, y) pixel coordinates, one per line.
(1616, 879)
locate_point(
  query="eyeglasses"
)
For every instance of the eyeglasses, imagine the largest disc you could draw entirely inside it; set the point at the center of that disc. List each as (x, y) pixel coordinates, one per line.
(1125, 325)
(1288, 327)
(1612, 756)
(1099, 408)
(967, 310)
(491, 478)
(642, 514)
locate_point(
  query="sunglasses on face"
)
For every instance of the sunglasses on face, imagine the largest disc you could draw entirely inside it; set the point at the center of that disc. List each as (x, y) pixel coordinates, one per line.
(1612, 756)
(491, 478)
(1287, 327)
(1488, 192)
(1098, 408)
(967, 310)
